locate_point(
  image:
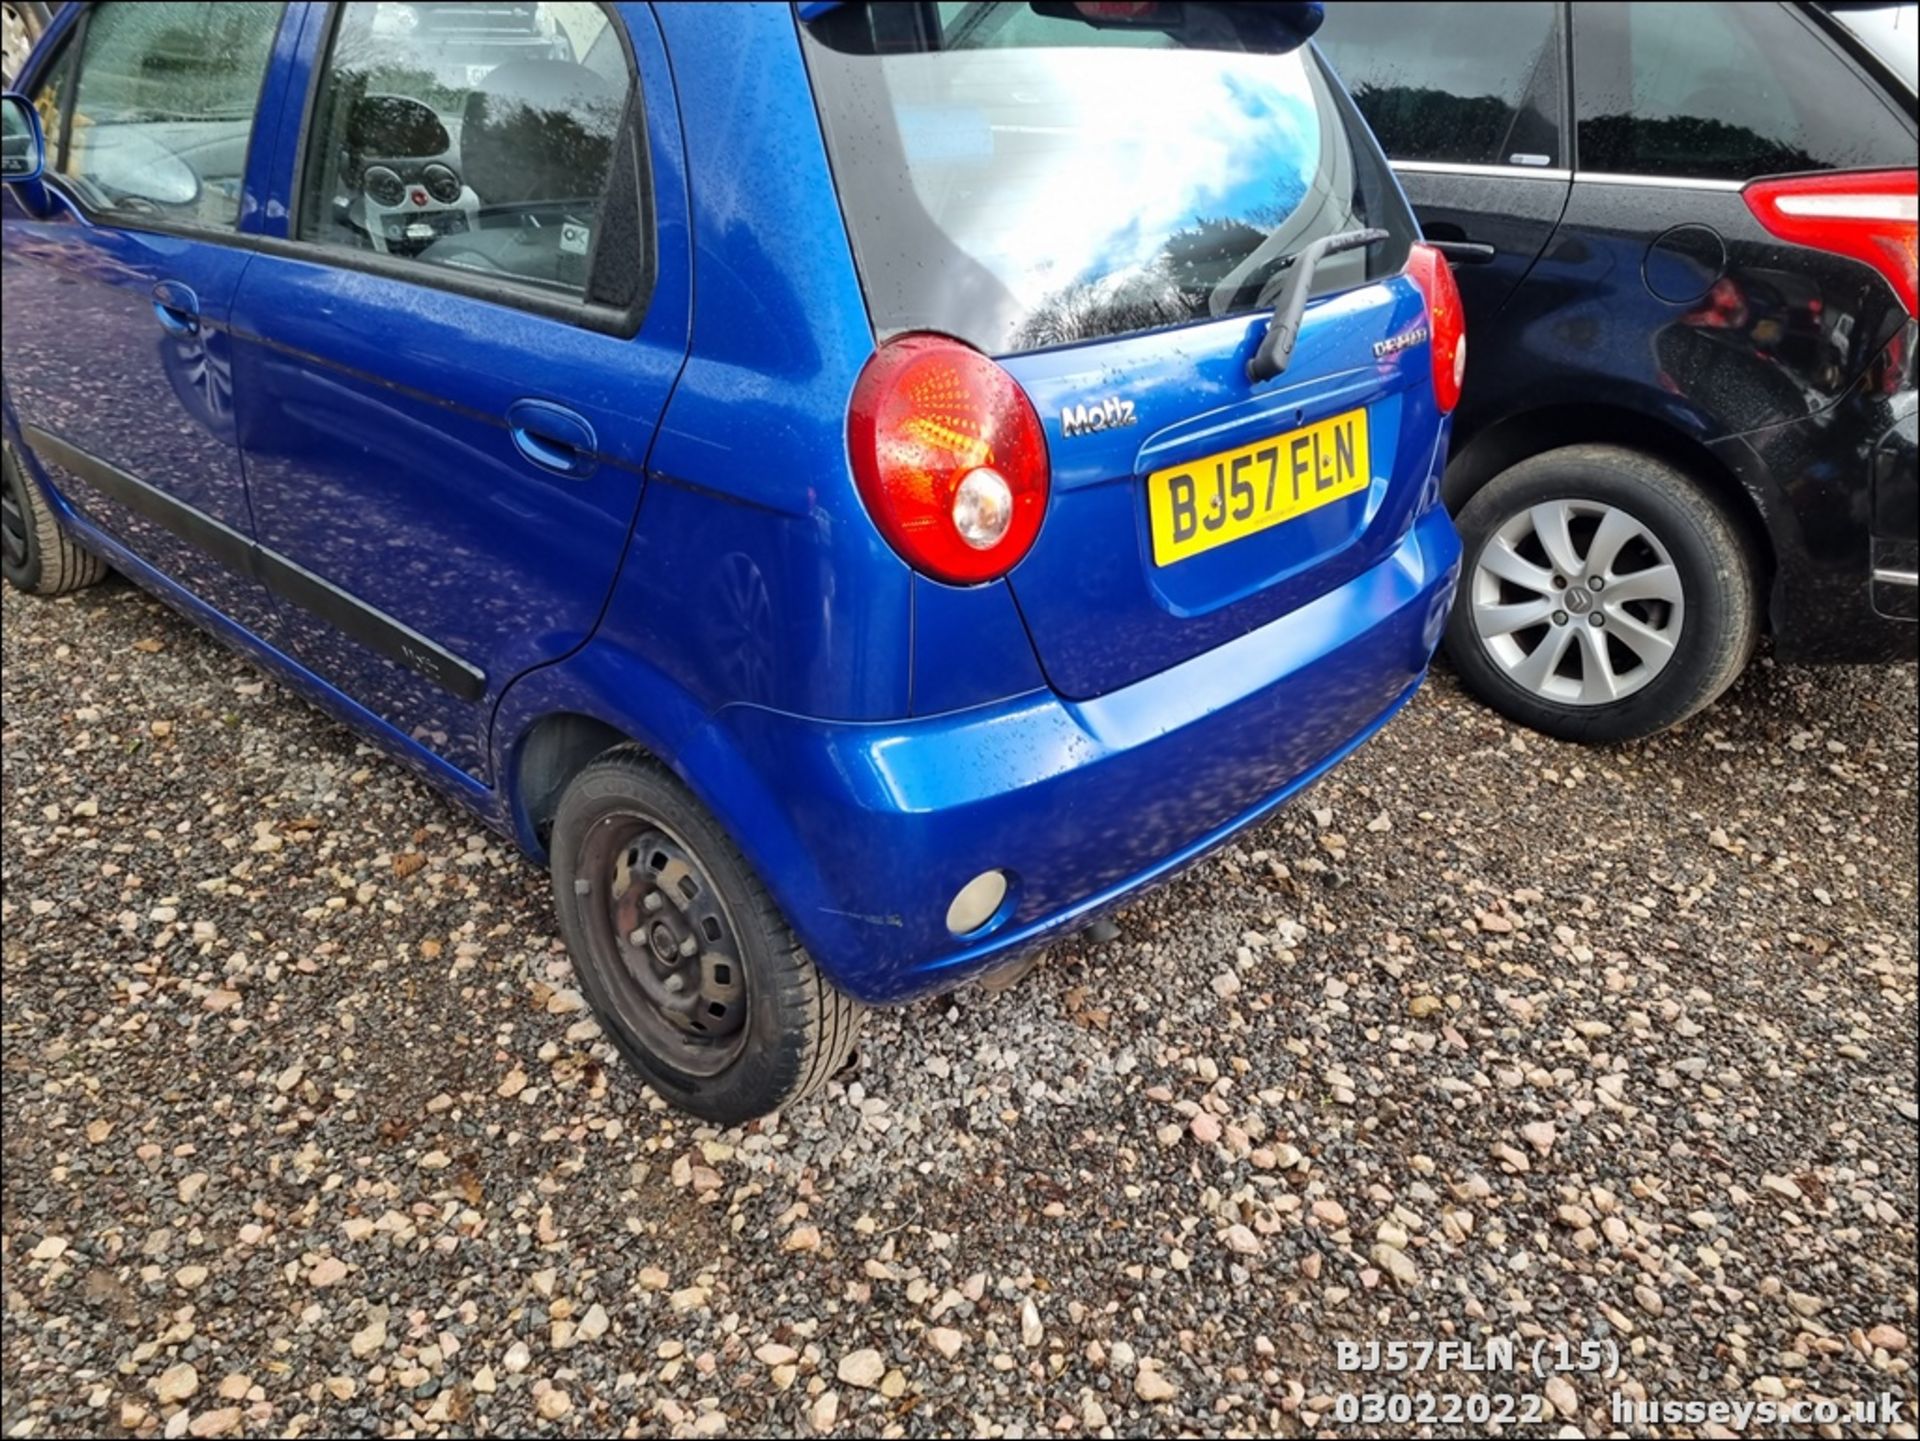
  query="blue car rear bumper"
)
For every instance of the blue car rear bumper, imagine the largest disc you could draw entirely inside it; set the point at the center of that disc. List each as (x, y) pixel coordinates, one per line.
(1083, 803)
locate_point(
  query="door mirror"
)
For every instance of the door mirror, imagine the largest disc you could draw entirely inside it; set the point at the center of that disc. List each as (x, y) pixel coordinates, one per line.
(23, 152)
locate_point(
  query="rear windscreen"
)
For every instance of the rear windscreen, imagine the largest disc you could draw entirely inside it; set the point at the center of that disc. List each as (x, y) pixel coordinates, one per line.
(1032, 175)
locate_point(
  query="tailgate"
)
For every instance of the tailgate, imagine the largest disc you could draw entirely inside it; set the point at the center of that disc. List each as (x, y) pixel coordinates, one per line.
(1351, 426)
(1110, 201)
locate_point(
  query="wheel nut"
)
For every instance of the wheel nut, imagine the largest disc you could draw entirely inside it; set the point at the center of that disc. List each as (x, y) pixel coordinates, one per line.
(1597, 619)
(1598, 582)
(674, 983)
(1559, 617)
(689, 947)
(654, 901)
(638, 936)
(1559, 582)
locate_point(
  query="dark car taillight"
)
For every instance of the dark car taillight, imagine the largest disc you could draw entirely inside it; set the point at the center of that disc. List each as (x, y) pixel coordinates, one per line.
(1867, 215)
(949, 456)
(1446, 323)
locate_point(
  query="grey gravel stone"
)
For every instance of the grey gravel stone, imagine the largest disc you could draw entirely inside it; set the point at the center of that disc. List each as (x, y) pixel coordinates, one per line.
(280, 1021)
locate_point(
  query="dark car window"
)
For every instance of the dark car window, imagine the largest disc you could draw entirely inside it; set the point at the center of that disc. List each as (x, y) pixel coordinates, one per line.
(152, 116)
(1458, 84)
(1019, 177)
(472, 137)
(1722, 92)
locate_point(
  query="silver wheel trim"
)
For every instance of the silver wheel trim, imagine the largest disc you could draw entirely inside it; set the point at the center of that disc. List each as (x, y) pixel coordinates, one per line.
(1538, 622)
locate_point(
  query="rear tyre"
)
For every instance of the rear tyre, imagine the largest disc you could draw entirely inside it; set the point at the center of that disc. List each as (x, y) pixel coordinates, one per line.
(39, 557)
(1605, 598)
(686, 959)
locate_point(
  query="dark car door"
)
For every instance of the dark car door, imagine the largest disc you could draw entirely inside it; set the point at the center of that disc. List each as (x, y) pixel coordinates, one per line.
(454, 359)
(120, 271)
(1468, 102)
(1662, 274)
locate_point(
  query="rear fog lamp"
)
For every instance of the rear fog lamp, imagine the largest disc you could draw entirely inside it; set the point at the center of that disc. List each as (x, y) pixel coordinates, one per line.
(977, 902)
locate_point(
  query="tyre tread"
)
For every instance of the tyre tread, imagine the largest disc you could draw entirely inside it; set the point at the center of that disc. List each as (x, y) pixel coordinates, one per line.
(64, 565)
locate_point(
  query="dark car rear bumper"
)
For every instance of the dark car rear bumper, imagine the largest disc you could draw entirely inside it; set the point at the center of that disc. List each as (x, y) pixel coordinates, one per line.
(1841, 503)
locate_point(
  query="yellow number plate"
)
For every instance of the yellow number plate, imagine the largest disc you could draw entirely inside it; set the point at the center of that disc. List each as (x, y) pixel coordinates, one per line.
(1222, 497)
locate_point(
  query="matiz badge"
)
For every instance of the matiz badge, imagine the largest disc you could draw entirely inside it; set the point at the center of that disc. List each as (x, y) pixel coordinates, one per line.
(1109, 414)
(1404, 340)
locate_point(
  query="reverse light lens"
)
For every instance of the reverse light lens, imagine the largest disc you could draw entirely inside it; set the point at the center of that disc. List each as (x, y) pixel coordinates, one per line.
(1446, 323)
(1871, 216)
(983, 508)
(950, 458)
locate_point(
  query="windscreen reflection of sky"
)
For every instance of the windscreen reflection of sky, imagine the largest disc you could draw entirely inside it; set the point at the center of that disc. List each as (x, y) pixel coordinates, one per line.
(1061, 165)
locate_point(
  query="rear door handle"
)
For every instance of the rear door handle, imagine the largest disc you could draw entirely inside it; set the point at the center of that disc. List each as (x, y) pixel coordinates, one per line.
(177, 308)
(553, 437)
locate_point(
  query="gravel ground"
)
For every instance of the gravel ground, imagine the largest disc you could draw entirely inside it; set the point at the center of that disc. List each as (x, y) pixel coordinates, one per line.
(306, 1132)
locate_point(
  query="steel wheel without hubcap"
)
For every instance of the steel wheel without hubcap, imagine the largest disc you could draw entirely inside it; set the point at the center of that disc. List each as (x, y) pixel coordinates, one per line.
(676, 971)
(1577, 601)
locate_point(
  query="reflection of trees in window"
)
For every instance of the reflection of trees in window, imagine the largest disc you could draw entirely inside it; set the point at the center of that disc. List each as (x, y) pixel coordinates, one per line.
(1417, 122)
(1141, 299)
(1197, 257)
(416, 83)
(1687, 145)
(530, 153)
(1170, 289)
(204, 65)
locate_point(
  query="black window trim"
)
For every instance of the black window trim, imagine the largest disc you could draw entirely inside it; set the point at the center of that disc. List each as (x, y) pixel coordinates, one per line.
(71, 53)
(632, 149)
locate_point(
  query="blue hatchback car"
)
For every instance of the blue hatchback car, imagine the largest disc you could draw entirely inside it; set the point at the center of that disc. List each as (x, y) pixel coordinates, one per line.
(858, 489)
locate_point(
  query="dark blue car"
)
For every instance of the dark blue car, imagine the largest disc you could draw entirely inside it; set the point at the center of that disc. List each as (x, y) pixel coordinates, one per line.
(857, 489)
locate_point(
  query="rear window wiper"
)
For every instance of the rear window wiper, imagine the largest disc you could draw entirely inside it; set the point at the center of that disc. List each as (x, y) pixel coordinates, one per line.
(1276, 346)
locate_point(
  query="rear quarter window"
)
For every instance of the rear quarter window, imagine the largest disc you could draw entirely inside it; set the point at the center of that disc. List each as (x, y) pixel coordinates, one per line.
(1723, 92)
(1020, 178)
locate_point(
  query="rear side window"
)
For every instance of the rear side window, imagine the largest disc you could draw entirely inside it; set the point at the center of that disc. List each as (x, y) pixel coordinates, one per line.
(1020, 177)
(473, 137)
(1453, 84)
(1722, 92)
(151, 112)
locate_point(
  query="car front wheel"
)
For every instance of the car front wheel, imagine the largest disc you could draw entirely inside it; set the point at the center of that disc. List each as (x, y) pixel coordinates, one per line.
(1606, 597)
(40, 557)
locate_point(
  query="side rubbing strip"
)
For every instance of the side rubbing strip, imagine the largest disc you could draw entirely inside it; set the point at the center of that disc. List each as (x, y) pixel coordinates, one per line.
(371, 627)
(197, 528)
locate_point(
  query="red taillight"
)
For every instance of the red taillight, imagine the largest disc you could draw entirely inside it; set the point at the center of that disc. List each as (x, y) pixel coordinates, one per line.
(1446, 323)
(950, 458)
(1869, 215)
